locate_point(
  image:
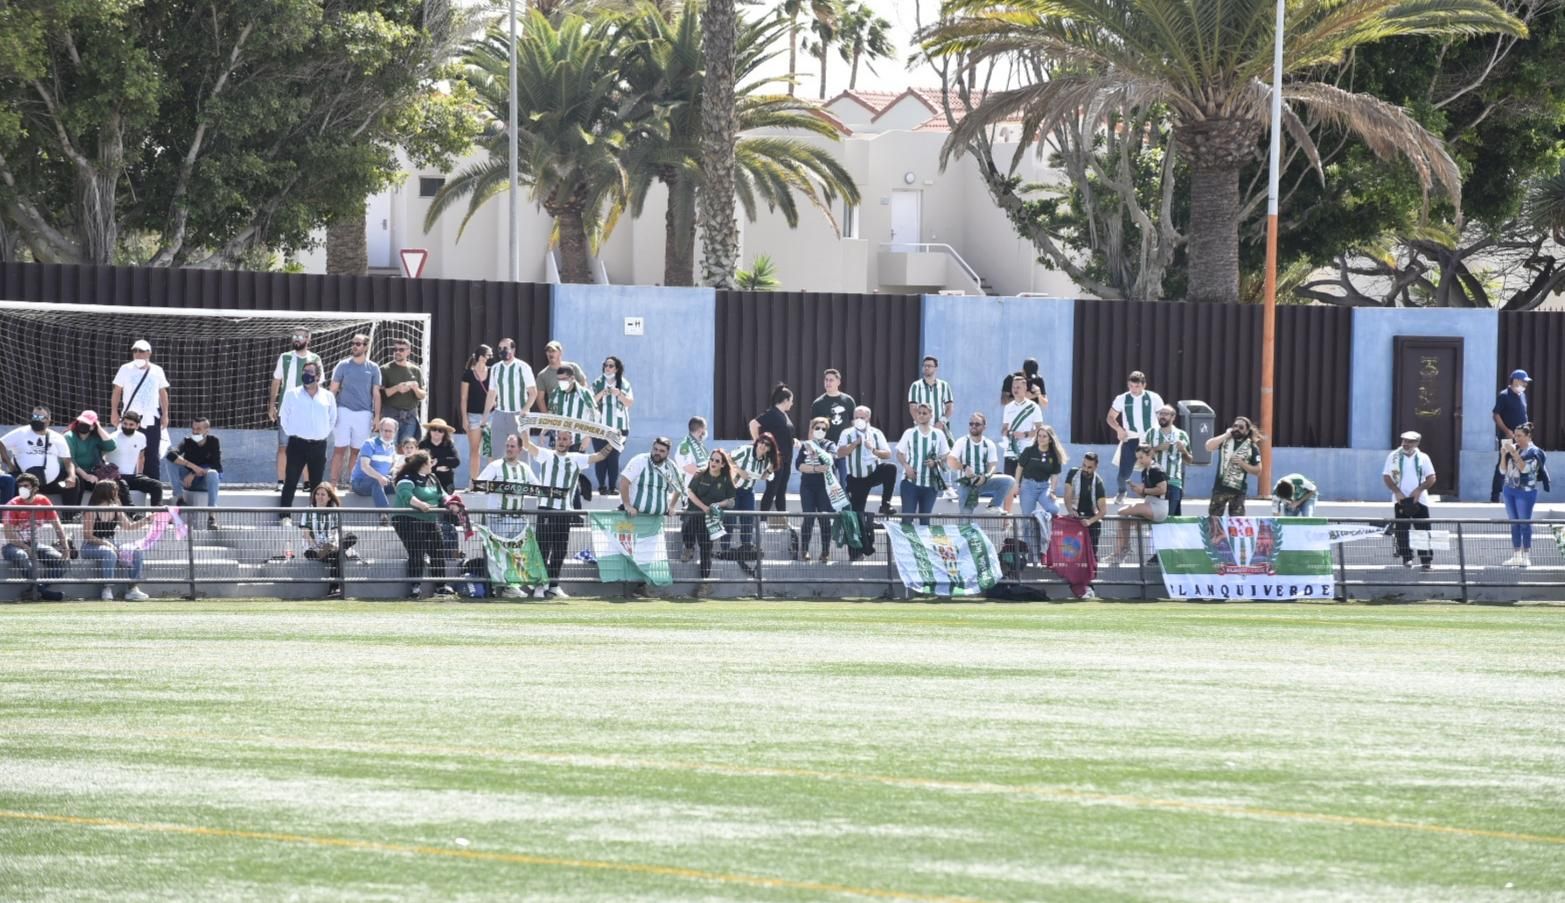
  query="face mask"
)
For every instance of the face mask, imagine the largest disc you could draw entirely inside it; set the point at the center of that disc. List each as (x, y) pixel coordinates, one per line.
(39, 425)
(818, 435)
(861, 424)
(198, 438)
(83, 429)
(308, 379)
(609, 372)
(505, 354)
(24, 492)
(567, 385)
(128, 429)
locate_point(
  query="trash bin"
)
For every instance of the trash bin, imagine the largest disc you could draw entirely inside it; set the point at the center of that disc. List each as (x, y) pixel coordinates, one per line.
(1198, 420)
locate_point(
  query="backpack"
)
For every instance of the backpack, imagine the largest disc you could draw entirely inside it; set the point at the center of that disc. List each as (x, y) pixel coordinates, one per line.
(1014, 555)
(475, 582)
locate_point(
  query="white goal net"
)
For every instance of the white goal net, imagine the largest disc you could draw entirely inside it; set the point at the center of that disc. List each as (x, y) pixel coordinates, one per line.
(219, 363)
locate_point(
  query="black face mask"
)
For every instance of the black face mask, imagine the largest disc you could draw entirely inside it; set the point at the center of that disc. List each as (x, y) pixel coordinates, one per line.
(83, 430)
(505, 354)
(39, 425)
(128, 429)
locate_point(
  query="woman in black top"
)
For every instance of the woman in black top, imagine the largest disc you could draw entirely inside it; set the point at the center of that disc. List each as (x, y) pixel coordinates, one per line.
(709, 490)
(775, 420)
(475, 389)
(812, 488)
(1036, 468)
(437, 441)
(99, 526)
(1153, 490)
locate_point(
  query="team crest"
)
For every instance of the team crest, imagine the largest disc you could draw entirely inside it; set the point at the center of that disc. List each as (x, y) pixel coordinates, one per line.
(1241, 545)
(625, 534)
(948, 555)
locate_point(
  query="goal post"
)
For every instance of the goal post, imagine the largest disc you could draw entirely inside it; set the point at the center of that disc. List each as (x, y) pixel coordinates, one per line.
(219, 362)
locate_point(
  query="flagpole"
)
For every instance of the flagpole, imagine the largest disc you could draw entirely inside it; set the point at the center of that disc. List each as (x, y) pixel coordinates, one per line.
(515, 251)
(1269, 316)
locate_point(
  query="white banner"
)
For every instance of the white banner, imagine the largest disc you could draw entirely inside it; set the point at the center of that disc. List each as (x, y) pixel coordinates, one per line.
(545, 422)
(944, 561)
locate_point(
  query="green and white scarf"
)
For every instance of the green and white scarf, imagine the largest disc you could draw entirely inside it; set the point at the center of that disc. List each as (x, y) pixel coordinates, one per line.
(1020, 420)
(845, 526)
(694, 449)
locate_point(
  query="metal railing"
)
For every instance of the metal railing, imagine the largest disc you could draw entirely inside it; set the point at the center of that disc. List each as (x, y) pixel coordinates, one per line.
(952, 253)
(254, 552)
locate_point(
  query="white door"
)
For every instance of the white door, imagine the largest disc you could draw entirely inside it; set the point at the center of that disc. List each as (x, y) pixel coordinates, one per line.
(906, 218)
(377, 227)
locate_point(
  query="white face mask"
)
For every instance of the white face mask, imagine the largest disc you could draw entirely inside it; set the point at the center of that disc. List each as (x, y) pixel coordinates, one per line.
(566, 385)
(609, 372)
(198, 438)
(818, 435)
(24, 492)
(861, 424)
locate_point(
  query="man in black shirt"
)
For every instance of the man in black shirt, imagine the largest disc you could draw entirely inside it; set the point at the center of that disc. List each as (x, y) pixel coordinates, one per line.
(837, 408)
(1086, 496)
(198, 465)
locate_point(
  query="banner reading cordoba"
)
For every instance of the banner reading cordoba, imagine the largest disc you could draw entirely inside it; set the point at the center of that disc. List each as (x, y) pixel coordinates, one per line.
(944, 561)
(629, 548)
(1245, 557)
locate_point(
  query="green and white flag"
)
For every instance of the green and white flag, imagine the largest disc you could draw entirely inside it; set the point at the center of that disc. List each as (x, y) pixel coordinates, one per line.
(944, 561)
(630, 549)
(513, 562)
(1255, 558)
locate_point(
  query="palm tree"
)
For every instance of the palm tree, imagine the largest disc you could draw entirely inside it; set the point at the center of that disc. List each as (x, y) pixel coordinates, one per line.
(570, 132)
(719, 132)
(862, 35)
(665, 68)
(1208, 63)
(823, 34)
(820, 11)
(1546, 206)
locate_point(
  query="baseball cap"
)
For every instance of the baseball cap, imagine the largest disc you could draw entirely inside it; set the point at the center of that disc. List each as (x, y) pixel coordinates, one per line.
(1521, 375)
(1410, 434)
(141, 345)
(88, 417)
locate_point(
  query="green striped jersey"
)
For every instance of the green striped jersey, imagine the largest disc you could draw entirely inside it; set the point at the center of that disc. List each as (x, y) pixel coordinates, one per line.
(503, 471)
(561, 471)
(935, 396)
(861, 461)
(510, 381)
(917, 447)
(691, 452)
(1138, 414)
(615, 413)
(1022, 419)
(744, 459)
(575, 403)
(1169, 460)
(977, 455)
(649, 485)
(289, 371)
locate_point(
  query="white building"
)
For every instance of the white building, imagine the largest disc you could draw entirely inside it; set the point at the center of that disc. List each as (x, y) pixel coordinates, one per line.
(918, 229)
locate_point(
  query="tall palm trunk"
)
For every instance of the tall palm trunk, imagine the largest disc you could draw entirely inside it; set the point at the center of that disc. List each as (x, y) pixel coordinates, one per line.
(825, 53)
(575, 253)
(347, 246)
(719, 131)
(853, 71)
(679, 231)
(793, 51)
(1217, 149)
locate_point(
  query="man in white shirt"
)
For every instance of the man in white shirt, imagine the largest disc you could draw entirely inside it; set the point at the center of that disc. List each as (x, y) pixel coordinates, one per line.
(561, 469)
(40, 451)
(691, 456)
(976, 460)
(287, 375)
(130, 445)
(1410, 474)
(921, 453)
(141, 385)
(309, 416)
(509, 471)
(1130, 416)
(869, 465)
(512, 391)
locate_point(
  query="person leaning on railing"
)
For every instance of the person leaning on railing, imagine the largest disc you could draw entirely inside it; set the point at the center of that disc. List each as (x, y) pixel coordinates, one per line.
(417, 522)
(1526, 468)
(708, 491)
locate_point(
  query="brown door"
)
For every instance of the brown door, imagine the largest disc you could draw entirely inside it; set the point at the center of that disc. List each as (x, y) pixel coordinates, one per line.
(1426, 395)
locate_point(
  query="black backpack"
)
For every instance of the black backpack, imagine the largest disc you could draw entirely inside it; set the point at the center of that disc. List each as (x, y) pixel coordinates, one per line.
(1014, 554)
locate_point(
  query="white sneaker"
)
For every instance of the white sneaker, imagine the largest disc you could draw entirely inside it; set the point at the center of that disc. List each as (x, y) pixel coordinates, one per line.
(1089, 594)
(134, 594)
(1515, 561)
(511, 592)
(538, 592)
(1526, 559)
(107, 595)
(557, 592)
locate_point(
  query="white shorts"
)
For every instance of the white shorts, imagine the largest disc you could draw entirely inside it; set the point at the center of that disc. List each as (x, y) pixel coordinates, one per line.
(1159, 508)
(353, 428)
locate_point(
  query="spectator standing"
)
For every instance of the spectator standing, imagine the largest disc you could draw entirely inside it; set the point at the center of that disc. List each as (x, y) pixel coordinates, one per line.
(1130, 416)
(90, 445)
(570, 398)
(287, 375)
(548, 375)
(376, 463)
(1037, 390)
(23, 551)
(1153, 506)
(929, 389)
(977, 460)
(775, 421)
(511, 470)
(1510, 412)
(817, 455)
(614, 397)
(868, 454)
(1410, 474)
(199, 466)
(1170, 452)
(1526, 468)
(1238, 456)
(417, 523)
(474, 392)
(40, 451)
(141, 386)
(1036, 468)
(404, 390)
(325, 540)
(1022, 418)
(1086, 497)
(511, 392)
(691, 456)
(100, 523)
(356, 383)
(707, 493)
(561, 469)
(1294, 496)
(441, 448)
(921, 452)
(754, 463)
(308, 417)
(836, 406)
(130, 445)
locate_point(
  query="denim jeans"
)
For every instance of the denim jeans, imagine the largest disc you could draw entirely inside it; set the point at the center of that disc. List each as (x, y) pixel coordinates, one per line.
(917, 499)
(107, 559)
(1176, 495)
(608, 469)
(1518, 506)
(995, 490)
(813, 498)
(1127, 462)
(1036, 494)
(1303, 509)
(212, 482)
(45, 558)
(363, 485)
(744, 500)
(407, 424)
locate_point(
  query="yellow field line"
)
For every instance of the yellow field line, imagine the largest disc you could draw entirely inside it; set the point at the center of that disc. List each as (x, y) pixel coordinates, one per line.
(1065, 794)
(373, 846)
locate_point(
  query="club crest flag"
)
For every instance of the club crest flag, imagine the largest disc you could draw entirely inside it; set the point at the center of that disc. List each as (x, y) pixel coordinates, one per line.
(630, 549)
(513, 562)
(1253, 558)
(944, 561)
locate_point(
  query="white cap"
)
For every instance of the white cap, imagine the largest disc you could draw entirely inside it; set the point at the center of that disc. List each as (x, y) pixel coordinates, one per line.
(141, 345)
(1413, 436)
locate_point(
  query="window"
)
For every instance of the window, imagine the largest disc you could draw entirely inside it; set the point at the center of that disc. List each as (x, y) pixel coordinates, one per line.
(850, 220)
(429, 186)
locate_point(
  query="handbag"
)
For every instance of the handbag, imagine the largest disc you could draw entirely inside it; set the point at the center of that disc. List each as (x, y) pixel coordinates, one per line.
(107, 471)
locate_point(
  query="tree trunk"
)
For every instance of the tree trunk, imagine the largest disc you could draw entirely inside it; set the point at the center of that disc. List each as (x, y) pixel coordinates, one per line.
(347, 247)
(719, 130)
(793, 51)
(1216, 149)
(825, 52)
(853, 72)
(679, 232)
(575, 254)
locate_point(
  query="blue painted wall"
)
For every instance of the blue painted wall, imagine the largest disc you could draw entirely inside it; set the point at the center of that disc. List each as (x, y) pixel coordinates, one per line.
(979, 340)
(1373, 334)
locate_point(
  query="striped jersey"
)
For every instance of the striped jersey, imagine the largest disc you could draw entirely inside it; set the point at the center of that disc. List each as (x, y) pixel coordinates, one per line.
(935, 396)
(615, 414)
(503, 471)
(917, 447)
(576, 403)
(1169, 460)
(1022, 419)
(978, 455)
(744, 459)
(691, 453)
(289, 371)
(510, 380)
(1138, 415)
(649, 485)
(561, 471)
(861, 461)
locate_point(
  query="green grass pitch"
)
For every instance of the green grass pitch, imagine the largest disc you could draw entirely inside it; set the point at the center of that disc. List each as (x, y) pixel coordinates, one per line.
(780, 751)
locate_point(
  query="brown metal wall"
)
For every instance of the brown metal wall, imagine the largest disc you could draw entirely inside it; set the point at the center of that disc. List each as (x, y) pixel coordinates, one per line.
(764, 338)
(1534, 341)
(463, 313)
(1212, 352)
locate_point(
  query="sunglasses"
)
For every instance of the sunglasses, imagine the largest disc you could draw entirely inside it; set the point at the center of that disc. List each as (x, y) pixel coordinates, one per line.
(358, 343)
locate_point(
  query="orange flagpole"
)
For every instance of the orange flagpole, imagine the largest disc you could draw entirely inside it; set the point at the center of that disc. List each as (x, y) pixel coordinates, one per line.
(1269, 318)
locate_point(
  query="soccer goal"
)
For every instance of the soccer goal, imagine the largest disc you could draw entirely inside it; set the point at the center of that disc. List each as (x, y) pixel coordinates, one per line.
(219, 363)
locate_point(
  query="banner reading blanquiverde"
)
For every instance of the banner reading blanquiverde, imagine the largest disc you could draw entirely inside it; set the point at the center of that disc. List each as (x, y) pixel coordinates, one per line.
(1252, 558)
(944, 561)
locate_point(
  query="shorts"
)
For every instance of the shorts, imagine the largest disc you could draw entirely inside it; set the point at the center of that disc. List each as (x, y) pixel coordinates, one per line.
(504, 423)
(1159, 509)
(353, 428)
(475, 421)
(282, 437)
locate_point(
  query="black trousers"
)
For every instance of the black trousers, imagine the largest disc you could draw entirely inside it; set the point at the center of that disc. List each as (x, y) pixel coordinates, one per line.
(693, 533)
(138, 483)
(422, 539)
(859, 489)
(333, 559)
(151, 461)
(554, 536)
(1411, 515)
(303, 454)
(776, 496)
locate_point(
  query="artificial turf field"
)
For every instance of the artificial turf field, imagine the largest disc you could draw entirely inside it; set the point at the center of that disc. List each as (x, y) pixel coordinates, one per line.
(780, 751)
